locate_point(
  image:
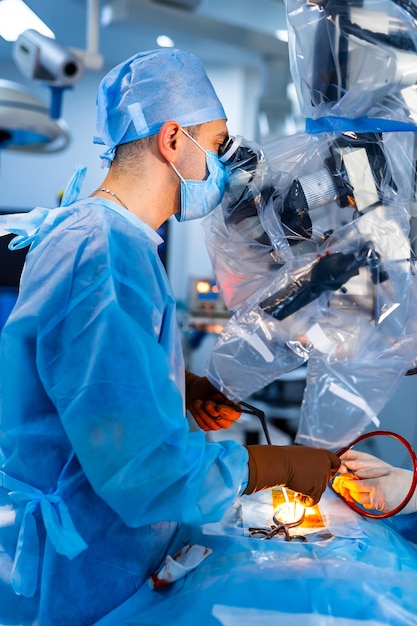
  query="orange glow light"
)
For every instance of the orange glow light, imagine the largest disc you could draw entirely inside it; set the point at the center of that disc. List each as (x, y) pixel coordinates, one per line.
(202, 286)
(312, 519)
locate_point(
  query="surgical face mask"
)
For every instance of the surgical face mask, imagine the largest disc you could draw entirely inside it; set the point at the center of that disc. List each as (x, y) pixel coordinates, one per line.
(200, 197)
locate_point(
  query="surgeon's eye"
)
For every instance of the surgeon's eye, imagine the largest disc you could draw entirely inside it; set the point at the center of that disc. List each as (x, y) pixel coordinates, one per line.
(223, 148)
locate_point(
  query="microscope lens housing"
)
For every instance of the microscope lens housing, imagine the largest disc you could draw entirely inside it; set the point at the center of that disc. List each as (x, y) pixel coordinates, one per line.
(237, 153)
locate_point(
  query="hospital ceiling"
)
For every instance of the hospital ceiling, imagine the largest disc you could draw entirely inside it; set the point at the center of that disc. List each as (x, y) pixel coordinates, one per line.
(219, 30)
(238, 32)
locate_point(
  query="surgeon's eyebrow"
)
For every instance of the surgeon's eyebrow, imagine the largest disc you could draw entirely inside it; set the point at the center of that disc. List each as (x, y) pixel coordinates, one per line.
(221, 138)
(223, 134)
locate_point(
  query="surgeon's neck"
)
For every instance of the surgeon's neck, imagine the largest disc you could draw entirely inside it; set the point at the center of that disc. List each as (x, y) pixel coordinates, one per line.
(151, 198)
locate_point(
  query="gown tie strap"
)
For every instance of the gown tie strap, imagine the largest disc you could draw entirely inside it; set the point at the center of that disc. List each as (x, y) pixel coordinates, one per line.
(59, 528)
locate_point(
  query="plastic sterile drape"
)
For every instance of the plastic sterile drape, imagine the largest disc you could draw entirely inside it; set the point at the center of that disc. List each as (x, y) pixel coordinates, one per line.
(313, 246)
(351, 572)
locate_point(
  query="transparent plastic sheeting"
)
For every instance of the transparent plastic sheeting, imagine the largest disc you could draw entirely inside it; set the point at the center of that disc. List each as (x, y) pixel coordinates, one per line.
(313, 245)
(363, 574)
(351, 61)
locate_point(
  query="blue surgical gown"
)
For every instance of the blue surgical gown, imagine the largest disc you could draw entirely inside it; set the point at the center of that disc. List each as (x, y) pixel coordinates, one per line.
(99, 465)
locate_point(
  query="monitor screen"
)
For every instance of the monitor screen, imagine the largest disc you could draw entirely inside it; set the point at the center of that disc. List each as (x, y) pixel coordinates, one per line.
(11, 265)
(8, 296)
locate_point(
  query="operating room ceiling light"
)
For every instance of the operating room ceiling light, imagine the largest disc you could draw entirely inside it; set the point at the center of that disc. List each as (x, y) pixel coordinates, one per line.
(164, 41)
(282, 35)
(16, 17)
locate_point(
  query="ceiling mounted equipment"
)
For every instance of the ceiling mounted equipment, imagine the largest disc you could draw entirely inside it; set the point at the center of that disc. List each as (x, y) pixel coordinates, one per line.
(181, 4)
(25, 123)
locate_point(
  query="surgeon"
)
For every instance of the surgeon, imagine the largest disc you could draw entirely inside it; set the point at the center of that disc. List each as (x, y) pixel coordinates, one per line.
(99, 463)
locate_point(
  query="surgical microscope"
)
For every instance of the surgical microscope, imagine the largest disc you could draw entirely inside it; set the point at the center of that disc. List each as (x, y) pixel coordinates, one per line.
(323, 224)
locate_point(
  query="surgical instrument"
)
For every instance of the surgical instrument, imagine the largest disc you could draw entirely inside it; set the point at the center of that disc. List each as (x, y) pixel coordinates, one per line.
(252, 410)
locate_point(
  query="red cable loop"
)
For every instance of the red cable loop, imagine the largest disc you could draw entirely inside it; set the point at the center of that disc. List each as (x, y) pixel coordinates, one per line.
(413, 457)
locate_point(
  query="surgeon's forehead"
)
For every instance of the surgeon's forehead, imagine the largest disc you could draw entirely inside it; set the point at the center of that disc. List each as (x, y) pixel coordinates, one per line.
(215, 130)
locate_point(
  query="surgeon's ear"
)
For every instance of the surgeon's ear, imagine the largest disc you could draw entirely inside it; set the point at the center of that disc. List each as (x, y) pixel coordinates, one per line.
(168, 137)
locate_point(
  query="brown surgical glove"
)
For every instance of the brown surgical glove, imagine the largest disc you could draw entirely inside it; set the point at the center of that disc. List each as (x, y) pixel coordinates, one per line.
(305, 470)
(208, 406)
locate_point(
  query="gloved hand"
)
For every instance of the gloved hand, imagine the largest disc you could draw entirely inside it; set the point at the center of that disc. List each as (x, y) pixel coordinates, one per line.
(209, 407)
(373, 483)
(305, 470)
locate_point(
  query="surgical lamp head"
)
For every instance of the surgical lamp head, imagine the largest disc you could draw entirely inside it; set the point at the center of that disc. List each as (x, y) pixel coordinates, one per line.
(42, 58)
(25, 122)
(139, 95)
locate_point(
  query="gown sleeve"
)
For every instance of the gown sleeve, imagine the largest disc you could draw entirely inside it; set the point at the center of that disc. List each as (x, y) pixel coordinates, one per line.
(105, 357)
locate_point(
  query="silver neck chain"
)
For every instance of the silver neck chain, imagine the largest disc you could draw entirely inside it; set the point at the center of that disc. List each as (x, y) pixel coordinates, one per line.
(114, 196)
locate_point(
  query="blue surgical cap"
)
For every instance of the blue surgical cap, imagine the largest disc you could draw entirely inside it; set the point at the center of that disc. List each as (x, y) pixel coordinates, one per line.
(138, 96)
